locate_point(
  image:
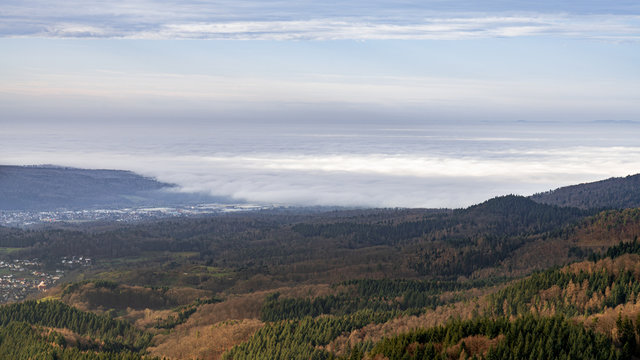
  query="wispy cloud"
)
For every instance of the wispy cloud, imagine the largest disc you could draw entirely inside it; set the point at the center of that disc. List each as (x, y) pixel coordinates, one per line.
(289, 20)
(457, 28)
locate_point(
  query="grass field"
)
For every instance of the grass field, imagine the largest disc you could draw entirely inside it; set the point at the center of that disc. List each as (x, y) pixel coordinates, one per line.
(8, 250)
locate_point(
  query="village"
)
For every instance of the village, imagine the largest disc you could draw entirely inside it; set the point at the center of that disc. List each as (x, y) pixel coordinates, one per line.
(25, 218)
(20, 278)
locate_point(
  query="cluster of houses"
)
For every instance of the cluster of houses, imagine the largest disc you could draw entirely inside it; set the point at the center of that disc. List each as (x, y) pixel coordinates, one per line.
(74, 261)
(19, 278)
(25, 218)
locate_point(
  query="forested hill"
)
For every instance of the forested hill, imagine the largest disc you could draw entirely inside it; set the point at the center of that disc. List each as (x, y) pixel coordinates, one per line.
(354, 284)
(43, 188)
(522, 212)
(271, 245)
(613, 193)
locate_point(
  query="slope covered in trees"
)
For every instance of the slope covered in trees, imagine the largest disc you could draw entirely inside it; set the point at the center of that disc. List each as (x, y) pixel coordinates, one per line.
(551, 315)
(589, 309)
(284, 248)
(487, 338)
(612, 193)
(115, 335)
(19, 340)
(36, 330)
(395, 283)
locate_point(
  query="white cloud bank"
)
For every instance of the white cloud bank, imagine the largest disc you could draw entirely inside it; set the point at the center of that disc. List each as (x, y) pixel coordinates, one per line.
(411, 165)
(379, 180)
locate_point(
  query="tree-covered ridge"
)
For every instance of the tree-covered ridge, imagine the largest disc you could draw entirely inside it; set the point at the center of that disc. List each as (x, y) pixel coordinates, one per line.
(459, 242)
(301, 339)
(622, 248)
(579, 289)
(116, 335)
(19, 340)
(529, 337)
(330, 247)
(98, 295)
(607, 228)
(298, 328)
(612, 193)
(481, 338)
(390, 288)
(582, 288)
(399, 296)
(501, 216)
(183, 313)
(342, 304)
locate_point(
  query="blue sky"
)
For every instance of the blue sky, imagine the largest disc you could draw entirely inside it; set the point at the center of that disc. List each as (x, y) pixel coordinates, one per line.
(499, 60)
(455, 80)
(264, 70)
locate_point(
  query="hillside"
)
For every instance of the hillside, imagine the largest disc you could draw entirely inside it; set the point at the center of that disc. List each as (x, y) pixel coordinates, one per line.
(270, 249)
(503, 278)
(43, 188)
(613, 193)
(53, 330)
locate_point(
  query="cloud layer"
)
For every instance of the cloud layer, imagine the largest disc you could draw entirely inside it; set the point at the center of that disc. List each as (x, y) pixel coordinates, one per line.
(451, 167)
(377, 180)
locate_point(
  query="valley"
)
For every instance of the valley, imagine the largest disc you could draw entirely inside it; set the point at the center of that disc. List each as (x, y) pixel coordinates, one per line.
(477, 282)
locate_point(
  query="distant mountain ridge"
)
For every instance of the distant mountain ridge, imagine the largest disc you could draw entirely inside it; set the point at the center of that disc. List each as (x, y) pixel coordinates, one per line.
(43, 188)
(612, 193)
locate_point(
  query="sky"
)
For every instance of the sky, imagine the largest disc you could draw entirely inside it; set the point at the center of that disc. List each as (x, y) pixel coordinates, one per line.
(355, 103)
